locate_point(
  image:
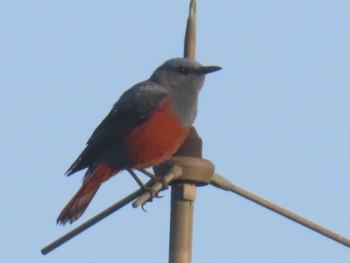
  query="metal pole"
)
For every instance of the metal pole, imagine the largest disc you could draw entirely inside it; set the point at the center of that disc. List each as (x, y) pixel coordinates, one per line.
(225, 184)
(181, 223)
(191, 28)
(76, 231)
(183, 194)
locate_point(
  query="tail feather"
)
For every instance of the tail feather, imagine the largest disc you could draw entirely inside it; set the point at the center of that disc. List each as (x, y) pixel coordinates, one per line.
(77, 205)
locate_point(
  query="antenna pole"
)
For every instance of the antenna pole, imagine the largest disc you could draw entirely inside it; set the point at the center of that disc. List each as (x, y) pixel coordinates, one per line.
(181, 222)
(183, 194)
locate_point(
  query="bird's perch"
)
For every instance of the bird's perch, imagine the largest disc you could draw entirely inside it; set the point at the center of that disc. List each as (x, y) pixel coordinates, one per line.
(183, 194)
(76, 231)
(225, 184)
(143, 195)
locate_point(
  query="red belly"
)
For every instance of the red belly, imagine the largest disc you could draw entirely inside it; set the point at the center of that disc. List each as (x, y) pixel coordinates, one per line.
(157, 139)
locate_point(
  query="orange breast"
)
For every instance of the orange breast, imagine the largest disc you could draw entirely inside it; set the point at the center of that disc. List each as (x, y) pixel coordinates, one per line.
(157, 139)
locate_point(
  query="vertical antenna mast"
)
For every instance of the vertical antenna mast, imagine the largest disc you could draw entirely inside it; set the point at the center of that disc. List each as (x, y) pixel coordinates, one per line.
(183, 194)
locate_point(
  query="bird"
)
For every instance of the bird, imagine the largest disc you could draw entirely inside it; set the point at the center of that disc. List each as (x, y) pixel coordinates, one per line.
(144, 128)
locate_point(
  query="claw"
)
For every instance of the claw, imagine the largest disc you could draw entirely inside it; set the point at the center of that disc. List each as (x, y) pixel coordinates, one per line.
(159, 196)
(143, 208)
(153, 193)
(155, 178)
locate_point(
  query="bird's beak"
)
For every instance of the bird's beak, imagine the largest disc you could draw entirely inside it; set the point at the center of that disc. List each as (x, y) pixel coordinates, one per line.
(208, 69)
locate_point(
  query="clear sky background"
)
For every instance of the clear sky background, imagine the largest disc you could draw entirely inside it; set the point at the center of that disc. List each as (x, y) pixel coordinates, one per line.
(275, 121)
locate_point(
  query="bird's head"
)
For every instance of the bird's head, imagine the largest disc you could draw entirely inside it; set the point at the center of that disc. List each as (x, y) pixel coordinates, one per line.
(182, 74)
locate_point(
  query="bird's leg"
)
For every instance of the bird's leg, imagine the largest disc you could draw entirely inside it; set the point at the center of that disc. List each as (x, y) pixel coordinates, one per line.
(136, 178)
(149, 174)
(142, 185)
(155, 178)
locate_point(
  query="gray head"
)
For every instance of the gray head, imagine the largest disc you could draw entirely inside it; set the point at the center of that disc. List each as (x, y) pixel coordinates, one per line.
(182, 73)
(183, 78)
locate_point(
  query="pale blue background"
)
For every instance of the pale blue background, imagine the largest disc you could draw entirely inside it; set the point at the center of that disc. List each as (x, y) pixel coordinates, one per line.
(275, 121)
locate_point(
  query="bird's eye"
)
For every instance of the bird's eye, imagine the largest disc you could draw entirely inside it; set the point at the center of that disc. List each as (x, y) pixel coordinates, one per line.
(182, 70)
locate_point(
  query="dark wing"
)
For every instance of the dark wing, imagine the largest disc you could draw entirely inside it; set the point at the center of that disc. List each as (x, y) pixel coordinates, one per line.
(134, 107)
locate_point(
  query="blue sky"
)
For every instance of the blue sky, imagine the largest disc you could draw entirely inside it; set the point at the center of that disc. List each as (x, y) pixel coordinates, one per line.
(275, 121)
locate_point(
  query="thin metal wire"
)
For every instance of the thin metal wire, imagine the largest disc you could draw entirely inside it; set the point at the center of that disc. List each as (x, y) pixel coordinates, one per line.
(141, 193)
(55, 244)
(225, 184)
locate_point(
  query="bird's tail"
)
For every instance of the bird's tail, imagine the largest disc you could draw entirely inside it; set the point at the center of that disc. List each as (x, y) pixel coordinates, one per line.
(78, 204)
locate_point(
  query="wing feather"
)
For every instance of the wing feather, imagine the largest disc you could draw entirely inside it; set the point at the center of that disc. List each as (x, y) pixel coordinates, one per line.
(134, 107)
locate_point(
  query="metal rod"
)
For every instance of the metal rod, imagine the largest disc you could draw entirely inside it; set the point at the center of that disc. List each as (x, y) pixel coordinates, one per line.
(181, 223)
(91, 222)
(183, 195)
(190, 35)
(225, 184)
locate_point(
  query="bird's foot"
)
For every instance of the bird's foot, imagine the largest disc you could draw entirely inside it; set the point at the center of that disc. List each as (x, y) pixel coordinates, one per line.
(155, 179)
(151, 188)
(153, 194)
